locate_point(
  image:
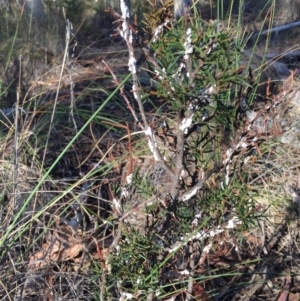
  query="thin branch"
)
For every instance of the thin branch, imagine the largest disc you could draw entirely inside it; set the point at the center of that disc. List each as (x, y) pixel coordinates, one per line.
(194, 190)
(129, 106)
(126, 32)
(275, 30)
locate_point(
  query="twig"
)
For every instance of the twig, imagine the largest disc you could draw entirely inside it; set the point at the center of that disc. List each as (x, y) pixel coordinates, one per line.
(129, 106)
(16, 161)
(291, 54)
(189, 295)
(130, 151)
(183, 123)
(194, 190)
(275, 29)
(178, 163)
(69, 34)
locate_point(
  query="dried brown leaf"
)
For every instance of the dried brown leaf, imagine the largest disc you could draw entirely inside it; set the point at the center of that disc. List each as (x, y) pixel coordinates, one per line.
(199, 293)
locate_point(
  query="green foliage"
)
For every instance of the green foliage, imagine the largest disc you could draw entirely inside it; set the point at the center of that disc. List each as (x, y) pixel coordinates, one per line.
(137, 257)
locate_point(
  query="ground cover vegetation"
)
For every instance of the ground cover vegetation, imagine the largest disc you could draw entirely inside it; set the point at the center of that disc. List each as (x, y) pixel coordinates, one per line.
(151, 169)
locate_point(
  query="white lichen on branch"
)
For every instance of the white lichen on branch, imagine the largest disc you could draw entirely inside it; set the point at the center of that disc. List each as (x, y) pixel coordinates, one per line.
(186, 123)
(152, 143)
(188, 44)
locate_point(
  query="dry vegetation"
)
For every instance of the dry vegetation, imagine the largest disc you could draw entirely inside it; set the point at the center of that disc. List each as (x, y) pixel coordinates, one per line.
(169, 183)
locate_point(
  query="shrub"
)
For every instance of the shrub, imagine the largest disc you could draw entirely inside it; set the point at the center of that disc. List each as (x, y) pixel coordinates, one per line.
(202, 142)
